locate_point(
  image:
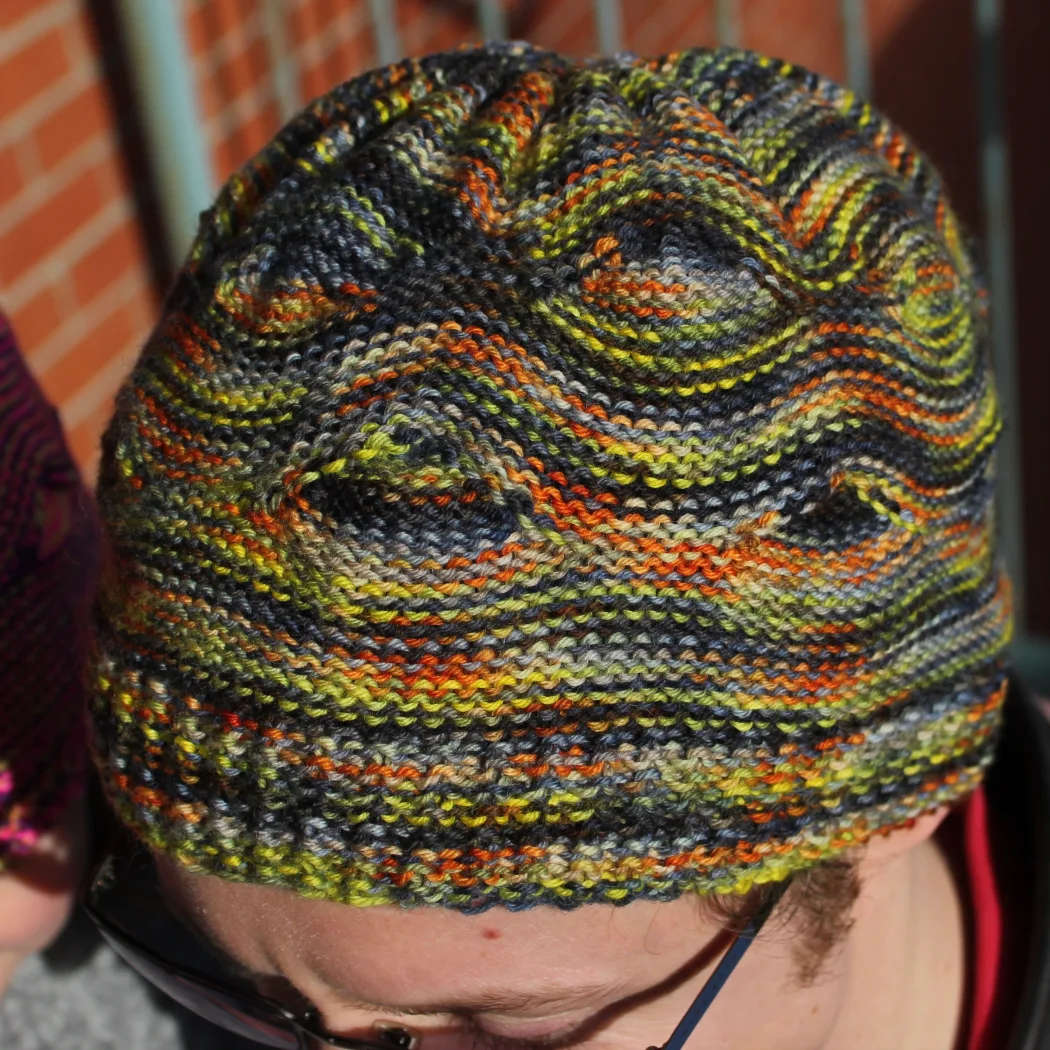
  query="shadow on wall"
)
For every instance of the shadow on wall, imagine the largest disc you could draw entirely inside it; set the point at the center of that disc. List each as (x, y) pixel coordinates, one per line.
(926, 79)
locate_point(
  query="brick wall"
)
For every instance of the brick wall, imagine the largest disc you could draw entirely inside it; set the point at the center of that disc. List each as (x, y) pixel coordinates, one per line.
(74, 274)
(328, 40)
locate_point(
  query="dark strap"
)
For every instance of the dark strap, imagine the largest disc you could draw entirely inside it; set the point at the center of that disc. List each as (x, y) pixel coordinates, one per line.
(722, 972)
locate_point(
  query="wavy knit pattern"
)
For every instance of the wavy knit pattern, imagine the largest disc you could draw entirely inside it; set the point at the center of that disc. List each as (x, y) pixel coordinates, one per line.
(48, 541)
(551, 482)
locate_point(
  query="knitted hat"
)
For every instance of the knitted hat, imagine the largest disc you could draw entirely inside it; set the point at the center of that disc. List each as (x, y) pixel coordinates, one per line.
(48, 550)
(556, 481)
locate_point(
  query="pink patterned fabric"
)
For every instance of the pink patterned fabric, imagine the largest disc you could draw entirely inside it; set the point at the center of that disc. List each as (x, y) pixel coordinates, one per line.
(48, 555)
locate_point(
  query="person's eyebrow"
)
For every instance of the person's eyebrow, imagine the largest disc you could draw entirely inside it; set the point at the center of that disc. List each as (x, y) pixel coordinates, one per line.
(489, 1000)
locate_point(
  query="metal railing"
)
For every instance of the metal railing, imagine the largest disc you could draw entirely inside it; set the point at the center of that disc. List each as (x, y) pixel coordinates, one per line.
(187, 182)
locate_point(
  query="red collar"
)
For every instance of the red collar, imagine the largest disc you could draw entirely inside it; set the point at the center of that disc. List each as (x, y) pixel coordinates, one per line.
(985, 911)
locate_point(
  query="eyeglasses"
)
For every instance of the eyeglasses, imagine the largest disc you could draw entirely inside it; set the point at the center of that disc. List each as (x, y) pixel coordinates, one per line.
(239, 1009)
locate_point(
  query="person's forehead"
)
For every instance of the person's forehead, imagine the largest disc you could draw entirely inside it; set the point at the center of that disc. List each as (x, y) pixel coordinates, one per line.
(388, 954)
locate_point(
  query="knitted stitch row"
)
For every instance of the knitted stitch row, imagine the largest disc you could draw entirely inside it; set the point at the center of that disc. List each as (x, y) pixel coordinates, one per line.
(556, 481)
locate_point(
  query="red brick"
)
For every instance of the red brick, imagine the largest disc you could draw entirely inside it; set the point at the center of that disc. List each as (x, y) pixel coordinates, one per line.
(209, 98)
(805, 32)
(112, 336)
(11, 181)
(209, 95)
(43, 230)
(72, 125)
(300, 24)
(261, 128)
(120, 252)
(409, 11)
(223, 18)
(37, 320)
(245, 140)
(699, 31)
(341, 63)
(246, 10)
(350, 58)
(244, 70)
(12, 11)
(230, 153)
(564, 25)
(82, 43)
(637, 16)
(432, 27)
(413, 23)
(35, 68)
(316, 19)
(111, 174)
(198, 31)
(316, 79)
(224, 157)
(668, 27)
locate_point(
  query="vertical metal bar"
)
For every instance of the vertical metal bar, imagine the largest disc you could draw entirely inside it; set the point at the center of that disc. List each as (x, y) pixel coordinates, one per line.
(492, 19)
(855, 39)
(610, 26)
(727, 23)
(282, 60)
(163, 75)
(996, 186)
(384, 30)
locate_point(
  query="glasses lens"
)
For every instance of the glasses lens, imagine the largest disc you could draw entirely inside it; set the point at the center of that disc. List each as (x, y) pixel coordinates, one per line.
(238, 1014)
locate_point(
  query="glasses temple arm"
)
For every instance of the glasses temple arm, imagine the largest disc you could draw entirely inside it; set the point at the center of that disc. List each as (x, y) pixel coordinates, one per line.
(722, 972)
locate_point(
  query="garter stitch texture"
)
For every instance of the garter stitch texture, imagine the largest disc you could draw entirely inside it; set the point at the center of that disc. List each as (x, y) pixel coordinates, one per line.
(556, 481)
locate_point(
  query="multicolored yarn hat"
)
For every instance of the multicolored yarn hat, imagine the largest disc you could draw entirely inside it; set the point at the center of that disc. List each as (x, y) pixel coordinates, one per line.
(48, 554)
(556, 481)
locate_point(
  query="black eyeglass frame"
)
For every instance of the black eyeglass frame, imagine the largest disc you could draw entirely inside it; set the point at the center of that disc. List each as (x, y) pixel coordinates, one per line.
(307, 1025)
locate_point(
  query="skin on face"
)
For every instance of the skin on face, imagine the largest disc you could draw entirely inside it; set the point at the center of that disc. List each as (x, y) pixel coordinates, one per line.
(605, 976)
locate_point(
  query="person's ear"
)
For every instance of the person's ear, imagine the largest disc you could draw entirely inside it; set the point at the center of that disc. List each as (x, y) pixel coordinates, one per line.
(882, 848)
